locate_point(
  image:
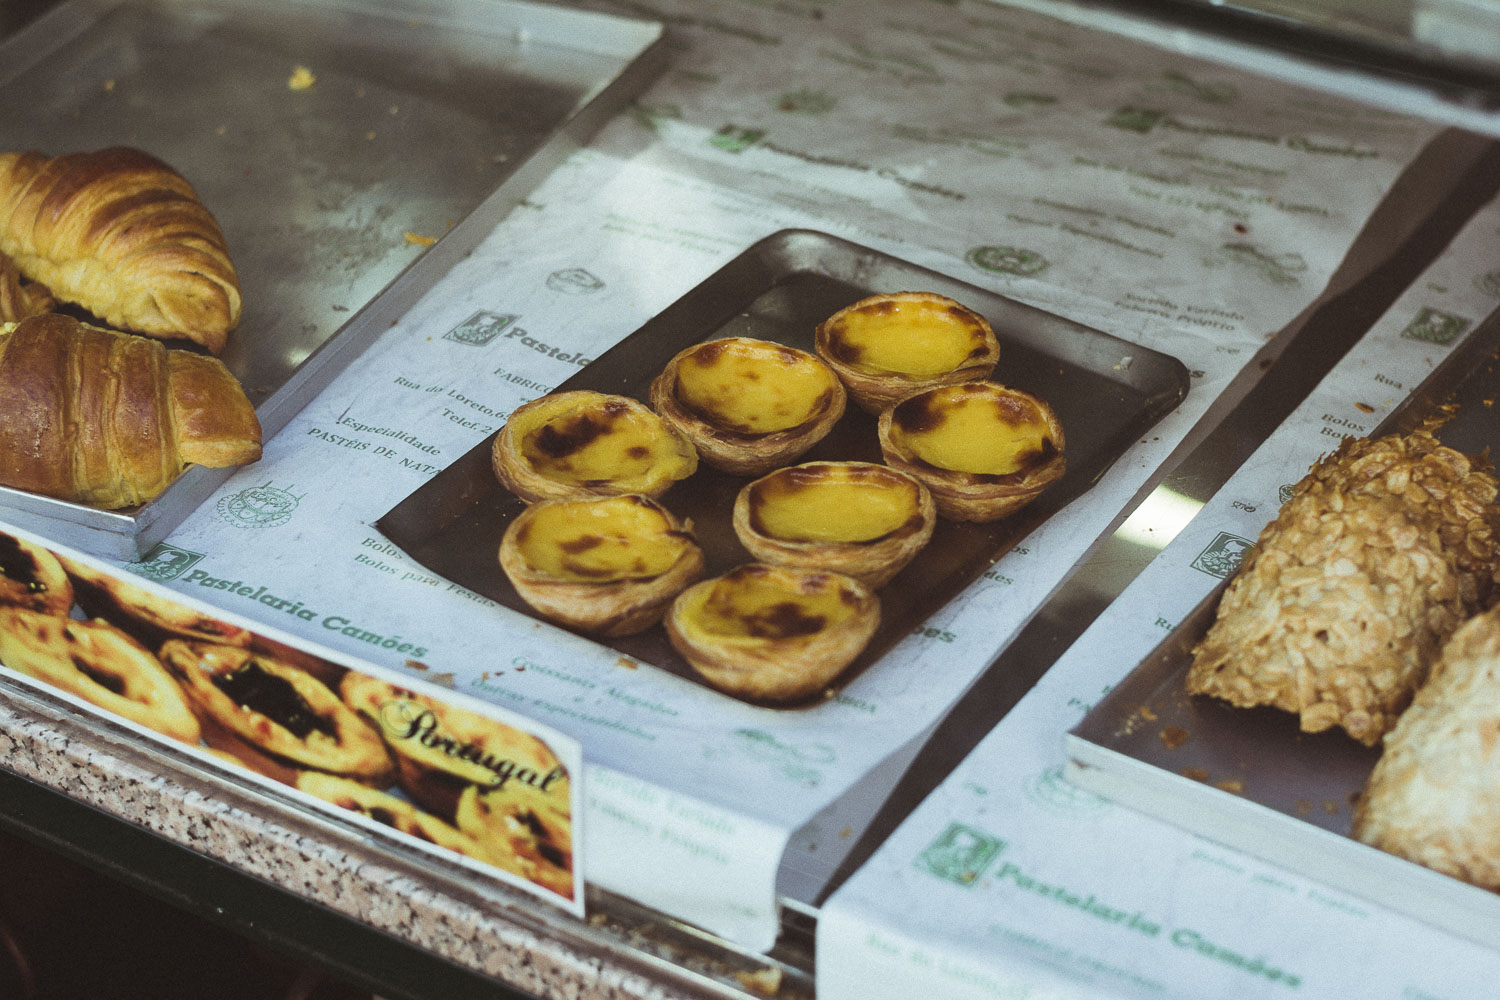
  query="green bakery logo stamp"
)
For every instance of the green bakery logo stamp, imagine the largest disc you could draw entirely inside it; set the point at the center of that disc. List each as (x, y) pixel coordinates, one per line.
(1278, 269)
(1054, 792)
(1007, 260)
(1433, 326)
(165, 562)
(1209, 93)
(574, 281)
(734, 139)
(1284, 494)
(960, 854)
(264, 506)
(480, 328)
(806, 102)
(1223, 556)
(1489, 283)
(802, 764)
(1130, 119)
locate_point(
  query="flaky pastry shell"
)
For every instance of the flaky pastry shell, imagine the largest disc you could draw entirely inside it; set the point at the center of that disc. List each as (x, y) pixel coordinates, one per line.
(1385, 546)
(97, 662)
(276, 709)
(32, 577)
(885, 347)
(1432, 796)
(773, 633)
(554, 553)
(861, 519)
(748, 405)
(1012, 432)
(582, 443)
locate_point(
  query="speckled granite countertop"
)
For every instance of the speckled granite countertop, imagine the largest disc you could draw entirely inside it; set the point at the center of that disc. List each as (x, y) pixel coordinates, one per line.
(484, 927)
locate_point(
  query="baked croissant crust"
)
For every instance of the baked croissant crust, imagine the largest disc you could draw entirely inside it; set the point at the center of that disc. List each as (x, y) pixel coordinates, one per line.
(1385, 547)
(123, 235)
(107, 419)
(20, 298)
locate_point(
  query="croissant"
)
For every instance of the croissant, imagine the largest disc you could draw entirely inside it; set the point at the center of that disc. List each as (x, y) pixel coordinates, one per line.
(109, 419)
(20, 299)
(123, 235)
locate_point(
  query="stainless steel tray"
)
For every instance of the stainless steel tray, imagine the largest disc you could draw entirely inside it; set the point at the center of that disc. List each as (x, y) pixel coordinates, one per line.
(430, 117)
(1249, 777)
(1106, 391)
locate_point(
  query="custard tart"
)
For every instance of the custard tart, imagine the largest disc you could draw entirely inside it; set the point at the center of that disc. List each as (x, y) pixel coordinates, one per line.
(583, 443)
(32, 577)
(984, 450)
(97, 662)
(861, 519)
(276, 710)
(773, 633)
(441, 749)
(748, 405)
(604, 565)
(888, 346)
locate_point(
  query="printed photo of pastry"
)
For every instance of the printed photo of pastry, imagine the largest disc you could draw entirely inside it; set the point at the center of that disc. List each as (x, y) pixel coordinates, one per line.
(151, 618)
(261, 708)
(441, 750)
(523, 830)
(97, 662)
(32, 577)
(386, 809)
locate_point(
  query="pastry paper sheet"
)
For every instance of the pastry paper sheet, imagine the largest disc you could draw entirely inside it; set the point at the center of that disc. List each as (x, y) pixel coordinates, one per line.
(1013, 883)
(1172, 203)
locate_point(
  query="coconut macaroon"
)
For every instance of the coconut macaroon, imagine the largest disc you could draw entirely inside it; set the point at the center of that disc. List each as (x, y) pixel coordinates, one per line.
(884, 347)
(583, 443)
(1432, 796)
(985, 450)
(1384, 548)
(748, 405)
(605, 565)
(773, 633)
(861, 519)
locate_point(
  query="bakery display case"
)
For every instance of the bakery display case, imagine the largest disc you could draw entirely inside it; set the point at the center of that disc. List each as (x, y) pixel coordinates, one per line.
(1173, 221)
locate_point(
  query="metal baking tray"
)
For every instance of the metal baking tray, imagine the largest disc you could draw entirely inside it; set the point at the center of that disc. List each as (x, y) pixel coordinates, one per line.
(429, 117)
(1249, 777)
(1107, 393)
